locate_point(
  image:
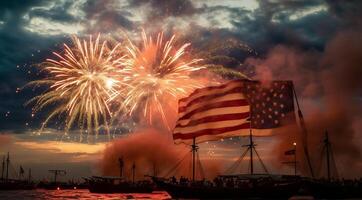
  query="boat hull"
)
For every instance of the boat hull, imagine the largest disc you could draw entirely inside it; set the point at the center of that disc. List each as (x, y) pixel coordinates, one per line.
(277, 191)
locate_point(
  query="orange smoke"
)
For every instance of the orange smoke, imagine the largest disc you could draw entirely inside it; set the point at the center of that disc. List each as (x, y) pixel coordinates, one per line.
(329, 87)
(154, 153)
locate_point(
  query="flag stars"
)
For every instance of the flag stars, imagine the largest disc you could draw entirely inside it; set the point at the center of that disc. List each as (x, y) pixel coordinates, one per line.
(268, 105)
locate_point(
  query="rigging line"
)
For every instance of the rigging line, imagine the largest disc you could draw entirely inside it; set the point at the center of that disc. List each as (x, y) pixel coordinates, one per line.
(305, 133)
(236, 163)
(189, 172)
(333, 161)
(320, 163)
(202, 174)
(261, 161)
(242, 158)
(12, 170)
(233, 166)
(177, 165)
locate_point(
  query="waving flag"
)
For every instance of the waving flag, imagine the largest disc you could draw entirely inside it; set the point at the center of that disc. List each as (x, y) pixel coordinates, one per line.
(212, 113)
(233, 109)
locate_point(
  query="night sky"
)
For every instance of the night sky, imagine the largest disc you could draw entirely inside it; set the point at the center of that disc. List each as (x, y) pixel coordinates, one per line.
(315, 43)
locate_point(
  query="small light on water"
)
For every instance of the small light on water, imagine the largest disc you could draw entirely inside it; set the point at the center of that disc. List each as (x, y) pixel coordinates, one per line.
(75, 188)
(58, 188)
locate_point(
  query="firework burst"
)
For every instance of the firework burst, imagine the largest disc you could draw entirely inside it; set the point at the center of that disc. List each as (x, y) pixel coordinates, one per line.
(80, 82)
(156, 74)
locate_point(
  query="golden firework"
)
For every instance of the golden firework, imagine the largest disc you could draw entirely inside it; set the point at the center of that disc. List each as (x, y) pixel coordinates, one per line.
(80, 82)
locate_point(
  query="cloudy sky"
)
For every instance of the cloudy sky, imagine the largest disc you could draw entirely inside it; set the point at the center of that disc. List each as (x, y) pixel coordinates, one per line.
(311, 42)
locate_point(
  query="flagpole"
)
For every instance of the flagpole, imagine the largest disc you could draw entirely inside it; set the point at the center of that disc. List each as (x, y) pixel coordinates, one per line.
(295, 158)
(305, 132)
(251, 145)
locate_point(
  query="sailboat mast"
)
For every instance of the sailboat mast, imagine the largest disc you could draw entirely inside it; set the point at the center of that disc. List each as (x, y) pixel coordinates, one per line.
(3, 169)
(327, 146)
(251, 151)
(133, 171)
(7, 167)
(194, 149)
(121, 164)
(29, 178)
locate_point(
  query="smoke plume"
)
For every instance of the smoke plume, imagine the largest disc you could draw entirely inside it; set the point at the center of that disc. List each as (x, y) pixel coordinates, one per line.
(329, 87)
(153, 153)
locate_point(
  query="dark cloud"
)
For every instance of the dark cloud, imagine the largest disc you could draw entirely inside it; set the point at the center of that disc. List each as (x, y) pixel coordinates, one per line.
(56, 12)
(348, 12)
(18, 51)
(106, 19)
(163, 9)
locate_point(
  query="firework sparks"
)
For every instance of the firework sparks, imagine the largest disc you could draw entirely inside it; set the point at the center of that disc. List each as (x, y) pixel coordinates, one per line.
(80, 83)
(156, 74)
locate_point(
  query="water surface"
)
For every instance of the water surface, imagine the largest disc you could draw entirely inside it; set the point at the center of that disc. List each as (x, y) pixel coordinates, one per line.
(74, 194)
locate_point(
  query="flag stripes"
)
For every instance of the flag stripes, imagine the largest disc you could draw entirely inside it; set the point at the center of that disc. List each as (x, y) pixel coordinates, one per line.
(213, 113)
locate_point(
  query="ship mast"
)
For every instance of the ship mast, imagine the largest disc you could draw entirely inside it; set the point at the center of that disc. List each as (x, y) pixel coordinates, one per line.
(295, 158)
(194, 148)
(121, 165)
(251, 146)
(29, 178)
(3, 169)
(133, 171)
(57, 172)
(7, 167)
(327, 145)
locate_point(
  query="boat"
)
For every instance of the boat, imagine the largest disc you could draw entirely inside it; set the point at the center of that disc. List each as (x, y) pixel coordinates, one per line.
(114, 184)
(232, 187)
(266, 185)
(108, 184)
(6, 183)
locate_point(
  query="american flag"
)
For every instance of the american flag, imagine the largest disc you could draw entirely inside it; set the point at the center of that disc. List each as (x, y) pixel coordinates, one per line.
(229, 110)
(271, 103)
